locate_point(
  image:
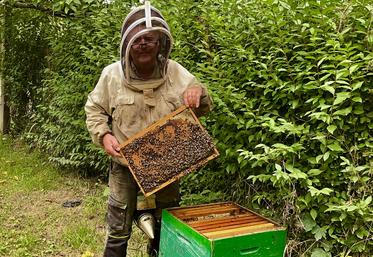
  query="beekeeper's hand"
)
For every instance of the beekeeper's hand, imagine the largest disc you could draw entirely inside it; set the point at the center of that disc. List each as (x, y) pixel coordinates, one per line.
(192, 96)
(111, 145)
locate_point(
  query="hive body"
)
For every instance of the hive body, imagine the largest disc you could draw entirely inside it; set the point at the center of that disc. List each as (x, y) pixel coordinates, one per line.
(219, 230)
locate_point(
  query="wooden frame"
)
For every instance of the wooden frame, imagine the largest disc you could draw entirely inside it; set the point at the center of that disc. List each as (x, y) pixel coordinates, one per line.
(183, 113)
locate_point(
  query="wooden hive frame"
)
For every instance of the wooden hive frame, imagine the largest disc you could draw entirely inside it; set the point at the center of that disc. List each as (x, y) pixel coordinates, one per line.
(219, 220)
(183, 113)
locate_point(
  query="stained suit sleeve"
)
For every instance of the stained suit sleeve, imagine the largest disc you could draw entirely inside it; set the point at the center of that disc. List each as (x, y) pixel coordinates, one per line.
(97, 109)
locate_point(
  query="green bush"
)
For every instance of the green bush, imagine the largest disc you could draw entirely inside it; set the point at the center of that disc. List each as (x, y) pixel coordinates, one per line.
(293, 94)
(23, 51)
(79, 51)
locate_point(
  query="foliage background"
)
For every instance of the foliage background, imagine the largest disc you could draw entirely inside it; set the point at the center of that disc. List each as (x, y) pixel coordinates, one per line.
(292, 87)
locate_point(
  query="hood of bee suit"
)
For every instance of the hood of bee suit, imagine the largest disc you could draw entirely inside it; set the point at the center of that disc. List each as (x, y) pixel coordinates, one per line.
(145, 19)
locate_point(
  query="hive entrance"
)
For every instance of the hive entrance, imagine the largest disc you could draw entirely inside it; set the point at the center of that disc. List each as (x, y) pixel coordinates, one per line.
(172, 147)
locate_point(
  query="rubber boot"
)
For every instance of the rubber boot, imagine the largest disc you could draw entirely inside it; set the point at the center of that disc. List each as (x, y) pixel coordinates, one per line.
(115, 247)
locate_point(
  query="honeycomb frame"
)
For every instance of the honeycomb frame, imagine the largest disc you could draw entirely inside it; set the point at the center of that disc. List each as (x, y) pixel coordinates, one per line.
(159, 140)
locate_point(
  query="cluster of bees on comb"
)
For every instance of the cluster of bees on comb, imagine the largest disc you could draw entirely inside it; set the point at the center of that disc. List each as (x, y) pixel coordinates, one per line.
(163, 153)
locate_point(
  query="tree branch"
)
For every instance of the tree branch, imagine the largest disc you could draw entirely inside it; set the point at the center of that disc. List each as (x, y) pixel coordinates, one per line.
(39, 7)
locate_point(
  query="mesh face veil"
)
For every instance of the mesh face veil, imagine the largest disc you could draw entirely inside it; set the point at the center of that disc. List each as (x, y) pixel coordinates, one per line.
(139, 22)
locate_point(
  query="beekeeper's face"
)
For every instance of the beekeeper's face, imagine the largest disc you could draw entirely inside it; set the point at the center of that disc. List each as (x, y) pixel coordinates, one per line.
(144, 49)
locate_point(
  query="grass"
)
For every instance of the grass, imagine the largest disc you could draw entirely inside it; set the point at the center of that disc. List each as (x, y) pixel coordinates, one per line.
(33, 221)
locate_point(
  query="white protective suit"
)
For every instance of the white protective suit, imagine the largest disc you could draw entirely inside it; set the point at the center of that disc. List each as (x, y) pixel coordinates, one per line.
(123, 104)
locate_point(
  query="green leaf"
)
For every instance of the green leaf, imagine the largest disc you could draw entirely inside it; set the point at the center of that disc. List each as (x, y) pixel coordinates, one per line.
(294, 103)
(357, 85)
(341, 97)
(318, 252)
(314, 172)
(313, 214)
(319, 62)
(294, 172)
(357, 99)
(278, 167)
(345, 160)
(326, 191)
(325, 117)
(73, 8)
(336, 147)
(319, 157)
(314, 191)
(368, 200)
(341, 74)
(358, 110)
(344, 112)
(285, 5)
(353, 68)
(331, 128)
(342, 216)
(352, 208)
(319, 232)
(328, 88)
(362, 233)
(342, 82)
(324, 78)
(326, 156)
(308, 223)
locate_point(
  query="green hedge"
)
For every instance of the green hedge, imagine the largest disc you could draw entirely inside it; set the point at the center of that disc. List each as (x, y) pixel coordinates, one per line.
(292, 87)
(292, 84)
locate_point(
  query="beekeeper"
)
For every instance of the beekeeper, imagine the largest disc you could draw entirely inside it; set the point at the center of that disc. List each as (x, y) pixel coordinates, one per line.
(131, 94)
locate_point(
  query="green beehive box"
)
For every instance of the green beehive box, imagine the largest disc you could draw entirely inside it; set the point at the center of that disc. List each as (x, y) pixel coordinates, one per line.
(219, 230)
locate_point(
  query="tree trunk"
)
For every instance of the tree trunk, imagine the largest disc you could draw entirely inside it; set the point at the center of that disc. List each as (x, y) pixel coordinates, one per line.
(4, 109)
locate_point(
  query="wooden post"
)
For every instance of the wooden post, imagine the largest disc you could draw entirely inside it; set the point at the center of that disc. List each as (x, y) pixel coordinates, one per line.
(4, 109)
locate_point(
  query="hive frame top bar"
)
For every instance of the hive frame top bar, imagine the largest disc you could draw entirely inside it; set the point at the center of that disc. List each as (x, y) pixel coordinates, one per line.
(223, 226)
(210, 205)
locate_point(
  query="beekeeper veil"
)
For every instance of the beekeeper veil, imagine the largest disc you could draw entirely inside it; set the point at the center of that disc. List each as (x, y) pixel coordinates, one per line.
(148, 19)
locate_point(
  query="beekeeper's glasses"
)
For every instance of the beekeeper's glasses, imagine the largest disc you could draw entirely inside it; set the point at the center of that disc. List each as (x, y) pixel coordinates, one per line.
(146, 41)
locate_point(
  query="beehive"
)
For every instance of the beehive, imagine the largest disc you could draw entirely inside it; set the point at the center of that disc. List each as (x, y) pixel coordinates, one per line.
(219, 230)
(167, 150)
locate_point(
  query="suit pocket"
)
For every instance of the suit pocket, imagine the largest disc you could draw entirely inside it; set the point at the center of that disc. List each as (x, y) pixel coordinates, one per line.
(172, 100)
(126, 113)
